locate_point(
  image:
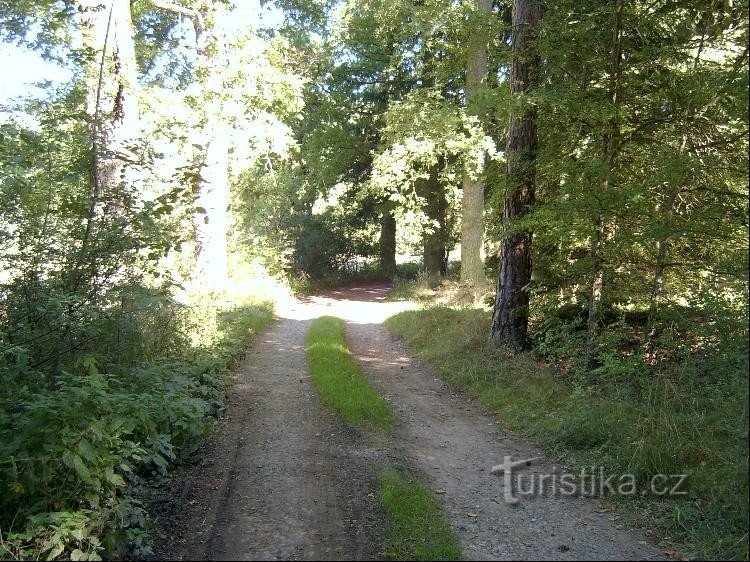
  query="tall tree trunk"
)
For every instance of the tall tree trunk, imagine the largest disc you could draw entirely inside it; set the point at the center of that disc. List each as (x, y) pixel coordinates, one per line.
(435, 207)
(211, 226)
(111, 102)
(434, 234)
(388, 241)
(657, 288)
(211, 271)
(472, 200)
(112, 107)
(210, 222)
(605, 228)
(510, 317)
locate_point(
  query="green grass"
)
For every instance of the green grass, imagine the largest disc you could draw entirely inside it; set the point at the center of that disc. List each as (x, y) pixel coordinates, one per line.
(339, 380)
(675, 425)
(417, 529)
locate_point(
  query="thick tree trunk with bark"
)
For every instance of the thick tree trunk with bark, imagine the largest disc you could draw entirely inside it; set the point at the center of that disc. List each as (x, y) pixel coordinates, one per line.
(111, 102)
(510, 316)
(434, 236)
(435, 204)
(472, 200)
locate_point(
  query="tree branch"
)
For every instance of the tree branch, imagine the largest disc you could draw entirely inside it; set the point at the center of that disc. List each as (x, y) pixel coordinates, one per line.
(195, 15)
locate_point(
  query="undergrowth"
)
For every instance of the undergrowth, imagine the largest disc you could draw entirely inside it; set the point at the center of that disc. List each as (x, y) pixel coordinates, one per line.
(688, 417)
(78, 445)
(303, 284)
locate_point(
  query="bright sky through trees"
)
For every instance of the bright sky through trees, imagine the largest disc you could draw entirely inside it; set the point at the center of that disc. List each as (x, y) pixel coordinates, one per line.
(21, 70)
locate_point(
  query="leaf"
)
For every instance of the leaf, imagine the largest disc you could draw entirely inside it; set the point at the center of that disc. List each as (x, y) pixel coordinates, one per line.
(81, 469)
(56, 550)
(86, 450)
(113, 478)
(78, 554)
(76, 463)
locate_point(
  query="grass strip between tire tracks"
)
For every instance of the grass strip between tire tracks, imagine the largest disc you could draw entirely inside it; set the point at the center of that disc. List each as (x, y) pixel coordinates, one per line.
(417, 528)
(338, 377)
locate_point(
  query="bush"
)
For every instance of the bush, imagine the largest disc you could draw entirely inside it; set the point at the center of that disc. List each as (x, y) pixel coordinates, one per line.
(78, 445)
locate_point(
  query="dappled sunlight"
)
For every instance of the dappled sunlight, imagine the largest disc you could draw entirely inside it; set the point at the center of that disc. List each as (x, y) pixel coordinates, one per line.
(194, 187)
(363, 304)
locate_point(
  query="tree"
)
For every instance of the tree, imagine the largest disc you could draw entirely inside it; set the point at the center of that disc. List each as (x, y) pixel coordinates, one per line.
(212, 173)
(112, 99)
(472, 200)
(510, 313)
(605, 227)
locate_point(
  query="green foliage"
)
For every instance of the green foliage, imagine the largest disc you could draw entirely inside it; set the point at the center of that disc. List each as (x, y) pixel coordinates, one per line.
(338, 378)
(334, 120)
(687, 417)
(77, 450)
(421, 130)
(106, 378)
(417, 528)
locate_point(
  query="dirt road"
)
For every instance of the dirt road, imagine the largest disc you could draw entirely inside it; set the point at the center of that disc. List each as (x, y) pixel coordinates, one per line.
(285, 479)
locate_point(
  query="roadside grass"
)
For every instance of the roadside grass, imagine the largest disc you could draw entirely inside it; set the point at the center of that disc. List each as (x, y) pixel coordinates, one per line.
(668, 426)
(417, 528)
(339, 380)
(450, 293)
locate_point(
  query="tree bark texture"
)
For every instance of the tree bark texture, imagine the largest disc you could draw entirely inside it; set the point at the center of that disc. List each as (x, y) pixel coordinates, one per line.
(388, 241)
(112, 99)
(510, 316)
(605, 227)
(434, 236)
(472, 200)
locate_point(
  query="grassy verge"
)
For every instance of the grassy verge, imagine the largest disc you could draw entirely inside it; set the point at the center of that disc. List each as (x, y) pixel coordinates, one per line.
(417, 528)
(338, 379)
(654, 426)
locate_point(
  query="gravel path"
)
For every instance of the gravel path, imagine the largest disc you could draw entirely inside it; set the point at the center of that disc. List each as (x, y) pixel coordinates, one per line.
(455, 444)
(284, 479)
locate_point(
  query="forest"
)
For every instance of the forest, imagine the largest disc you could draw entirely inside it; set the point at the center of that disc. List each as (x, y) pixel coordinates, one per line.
(561, 187)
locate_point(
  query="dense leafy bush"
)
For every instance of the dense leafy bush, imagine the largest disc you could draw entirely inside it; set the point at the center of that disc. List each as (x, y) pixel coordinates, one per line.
(78, 445)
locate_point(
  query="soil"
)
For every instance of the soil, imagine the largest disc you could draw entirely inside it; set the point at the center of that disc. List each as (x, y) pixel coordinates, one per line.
(285, 479)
